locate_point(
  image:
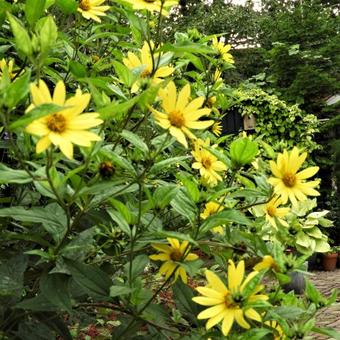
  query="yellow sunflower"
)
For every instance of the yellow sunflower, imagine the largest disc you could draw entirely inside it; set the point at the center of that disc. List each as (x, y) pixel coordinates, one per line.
(152, 5)
(145, 64)
(91, 9)
(173, 256)
(217, 129)
(9, 66)
(267, 263)
(228, 303)
(65, 127)
(207, 163)
(222, 50)
(272, 211)
(278, 332)
(288, 182)
(180, 113)
(210, 209)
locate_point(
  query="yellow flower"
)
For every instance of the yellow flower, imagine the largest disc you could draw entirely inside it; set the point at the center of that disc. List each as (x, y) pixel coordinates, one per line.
(207, 164)
(65, 127)
(217, 129)
(288, 183)
(222, 50)
(9, 66)
(228, 303)
(272, 211)
(91, 9)
(145, 65)
(180, 113)
(173, 256)
(266, 263)
(278, 332)
(217, 75)
(152, 5)
(210, 209)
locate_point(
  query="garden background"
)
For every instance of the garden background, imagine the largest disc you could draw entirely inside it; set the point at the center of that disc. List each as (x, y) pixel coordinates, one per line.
(168, 168)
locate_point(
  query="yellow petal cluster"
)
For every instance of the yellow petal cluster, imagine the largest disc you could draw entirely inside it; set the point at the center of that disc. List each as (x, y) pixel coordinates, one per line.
(9, 66)
(222, 50)
(180, 114)
(65, 127)
(210, 209)
(272, 211)
(267, 263)
(278, 332)
(288, 182)
(207, 164)
(227, 303)
(173, 256)
(147, 64)
(92, 9)
(152, 5)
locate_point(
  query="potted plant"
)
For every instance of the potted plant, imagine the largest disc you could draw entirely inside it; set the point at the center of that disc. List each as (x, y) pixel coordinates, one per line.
(329, 259)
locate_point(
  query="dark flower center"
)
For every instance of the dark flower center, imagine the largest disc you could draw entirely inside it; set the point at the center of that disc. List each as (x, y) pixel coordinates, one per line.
(85, 5)
(176, 119)
(56, 123)
(176, 255)
(289, 179)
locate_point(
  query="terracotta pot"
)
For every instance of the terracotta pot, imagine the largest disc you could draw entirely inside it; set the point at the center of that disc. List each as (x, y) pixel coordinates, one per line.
(329, 261)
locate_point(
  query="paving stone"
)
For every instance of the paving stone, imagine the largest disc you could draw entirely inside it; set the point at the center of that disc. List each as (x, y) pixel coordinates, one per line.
(329, 316)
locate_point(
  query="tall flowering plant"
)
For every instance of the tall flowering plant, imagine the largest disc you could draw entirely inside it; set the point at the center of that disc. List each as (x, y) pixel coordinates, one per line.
(123, 212)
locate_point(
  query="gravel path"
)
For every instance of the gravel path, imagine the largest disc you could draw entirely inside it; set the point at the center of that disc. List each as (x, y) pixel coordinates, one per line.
(328, 317)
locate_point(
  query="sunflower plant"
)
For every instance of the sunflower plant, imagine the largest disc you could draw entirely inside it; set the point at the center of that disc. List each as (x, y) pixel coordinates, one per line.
(124, 212)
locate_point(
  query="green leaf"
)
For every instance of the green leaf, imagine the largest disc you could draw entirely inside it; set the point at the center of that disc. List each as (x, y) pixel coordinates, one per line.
(182, 204)
(124, 73)
(120, 220)
(48, 33)
(55, 289)
(92, 279)
(8, 175)
(243, 151)
(223, 217)
(164, 194)
(135, 140)
(22, 39)
(288, 312)
(36, 113)
(183, 298)
(157, 167)
(34, 9)
(17, 90)
(80, 246)
(12, 276)
(117, 110)
(138, 265)
(39, 304)
(119, 290)
(191, 188)
(123, 209)
(77, 69)
(175, 234)
(67, 6)
(52, 217)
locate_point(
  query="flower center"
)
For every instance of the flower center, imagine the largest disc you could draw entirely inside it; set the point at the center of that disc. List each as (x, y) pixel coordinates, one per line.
(145, 73)
(176, 118)
(271, 211)
(56, 123)
(176, 255)
(289, 179)
(85, 5)
(206, 162)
